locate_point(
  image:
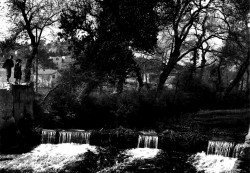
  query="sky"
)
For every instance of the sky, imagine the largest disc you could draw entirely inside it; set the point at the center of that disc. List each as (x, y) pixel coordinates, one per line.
(4, 26)
(48, 34)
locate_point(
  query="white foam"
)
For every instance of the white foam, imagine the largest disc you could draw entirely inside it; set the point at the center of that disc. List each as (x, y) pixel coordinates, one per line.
(134, 154)
(212, 163)
(47, 157)
(142, 153)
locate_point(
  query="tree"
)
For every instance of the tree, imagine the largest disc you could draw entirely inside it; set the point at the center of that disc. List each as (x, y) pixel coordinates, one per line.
(7, 45)
(43, 58)
(30, 18)
(179, 20)
(105, 33)
(236, 51)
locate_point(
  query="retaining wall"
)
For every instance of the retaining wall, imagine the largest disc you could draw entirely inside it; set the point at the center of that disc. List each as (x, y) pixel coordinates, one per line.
(15, 104)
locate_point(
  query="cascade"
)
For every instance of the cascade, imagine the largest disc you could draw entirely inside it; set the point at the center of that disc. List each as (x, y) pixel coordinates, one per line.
(223, 148)
(147, 141)
(238, 149)
(48, 136)
(75, 136)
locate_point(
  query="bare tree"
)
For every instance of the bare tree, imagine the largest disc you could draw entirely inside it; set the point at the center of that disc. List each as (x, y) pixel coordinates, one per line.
(29, 19)
(181, 19)
(235, 15)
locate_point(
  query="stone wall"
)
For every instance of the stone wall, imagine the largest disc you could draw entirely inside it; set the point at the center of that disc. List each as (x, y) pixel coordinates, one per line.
(23, 99)
(16, 105)
(6, 108)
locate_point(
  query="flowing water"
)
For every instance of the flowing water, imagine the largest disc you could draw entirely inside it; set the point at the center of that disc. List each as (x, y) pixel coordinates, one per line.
(238, 149)
(212, 163)
(46, 158)
(221, 157)
(223, 148)
(54, 157)
(147, 141)
(132, 155)
(76, 136)
(48, 136)
(70, 136)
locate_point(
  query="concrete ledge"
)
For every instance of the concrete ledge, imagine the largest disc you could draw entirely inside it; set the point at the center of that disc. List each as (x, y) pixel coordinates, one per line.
(16, 104)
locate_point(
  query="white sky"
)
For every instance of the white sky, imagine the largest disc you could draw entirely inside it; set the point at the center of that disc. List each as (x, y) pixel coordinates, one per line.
(4, 26)
(48, 34)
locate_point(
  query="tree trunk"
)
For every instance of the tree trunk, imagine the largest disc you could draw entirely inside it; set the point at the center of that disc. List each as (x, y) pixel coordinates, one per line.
(28, 64)
(167, 69)
(219, 76)
(164, 75)
(193, 68)
(247, 83)
(120, 85)
(139, 77)
(203, 63)
(237, 79)
(241, 84)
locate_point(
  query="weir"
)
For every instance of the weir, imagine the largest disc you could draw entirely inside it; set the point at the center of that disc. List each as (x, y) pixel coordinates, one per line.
(48, 136)
(71, 136)
(147, 141)
(76, 136)
(223, 148)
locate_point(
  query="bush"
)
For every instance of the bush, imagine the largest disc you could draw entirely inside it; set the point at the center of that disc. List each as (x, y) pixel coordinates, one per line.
(130, 109)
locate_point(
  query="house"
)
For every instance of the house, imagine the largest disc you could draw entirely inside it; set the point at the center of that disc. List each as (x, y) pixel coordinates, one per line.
(46, 78)
(62, 62)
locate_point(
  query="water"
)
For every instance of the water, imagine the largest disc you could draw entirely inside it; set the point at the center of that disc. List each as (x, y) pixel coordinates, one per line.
(134, 154)
(147, 141)
(54, 157)
(48, 136)
(76, 136)
(212, 163)
(221, 157)
(238, 149)
(223, 148)
(71, 136)
(46, 158)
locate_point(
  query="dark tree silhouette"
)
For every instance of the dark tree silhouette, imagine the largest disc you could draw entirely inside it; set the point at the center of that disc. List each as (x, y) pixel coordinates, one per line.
(179, 19)
(105, 33)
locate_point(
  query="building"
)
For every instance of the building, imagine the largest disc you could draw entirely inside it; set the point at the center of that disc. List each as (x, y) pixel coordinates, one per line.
(62, 62)
(46, 78)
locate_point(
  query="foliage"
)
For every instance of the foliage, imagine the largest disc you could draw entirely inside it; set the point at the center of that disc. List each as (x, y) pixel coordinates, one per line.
(30, 18)
(183, 31)
(103, 35)
(234, 52)
(101, 109)
(119, 137)
(8, 45)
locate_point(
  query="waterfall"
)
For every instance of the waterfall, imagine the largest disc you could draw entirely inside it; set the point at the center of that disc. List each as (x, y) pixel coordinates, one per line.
(76, 136)
(147, 141)
(48, 136)
(223, 148)
(238, 149)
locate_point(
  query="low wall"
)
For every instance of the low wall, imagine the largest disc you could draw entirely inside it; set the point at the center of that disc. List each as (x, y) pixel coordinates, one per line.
(23, 99)
(16, 105)
(6, 108)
